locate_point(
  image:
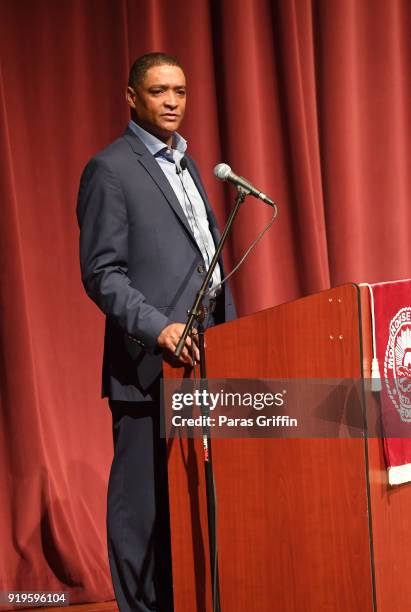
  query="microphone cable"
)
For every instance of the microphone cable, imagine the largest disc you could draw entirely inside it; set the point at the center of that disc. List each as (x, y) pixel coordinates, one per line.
(248, 251)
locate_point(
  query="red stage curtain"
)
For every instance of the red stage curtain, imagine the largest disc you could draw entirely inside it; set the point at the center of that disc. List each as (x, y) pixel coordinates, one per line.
(311, 100)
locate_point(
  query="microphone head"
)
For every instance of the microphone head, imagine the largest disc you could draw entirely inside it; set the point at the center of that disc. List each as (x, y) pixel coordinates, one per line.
(222, 171)
(183, 163)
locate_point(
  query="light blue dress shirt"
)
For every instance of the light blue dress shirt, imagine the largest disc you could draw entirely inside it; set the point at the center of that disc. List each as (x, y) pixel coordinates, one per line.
(185, 190)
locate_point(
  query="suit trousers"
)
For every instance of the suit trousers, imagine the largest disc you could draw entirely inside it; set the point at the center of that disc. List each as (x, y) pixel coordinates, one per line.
(138, 523)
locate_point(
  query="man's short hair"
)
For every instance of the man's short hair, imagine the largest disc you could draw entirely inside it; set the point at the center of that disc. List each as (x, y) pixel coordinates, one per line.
(139, 68)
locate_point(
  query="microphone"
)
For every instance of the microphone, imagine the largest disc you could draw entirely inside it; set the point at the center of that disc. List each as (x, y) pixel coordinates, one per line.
(182, 165)
(224, 173)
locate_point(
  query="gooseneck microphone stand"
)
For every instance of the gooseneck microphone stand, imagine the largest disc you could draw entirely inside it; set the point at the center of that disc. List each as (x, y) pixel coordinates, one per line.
(197, 314)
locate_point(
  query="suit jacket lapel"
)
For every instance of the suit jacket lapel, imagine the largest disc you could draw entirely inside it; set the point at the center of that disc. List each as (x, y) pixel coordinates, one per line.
(147, 160)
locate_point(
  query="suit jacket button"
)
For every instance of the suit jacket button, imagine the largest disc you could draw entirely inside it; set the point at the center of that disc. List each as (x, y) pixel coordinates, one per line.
(201, 269)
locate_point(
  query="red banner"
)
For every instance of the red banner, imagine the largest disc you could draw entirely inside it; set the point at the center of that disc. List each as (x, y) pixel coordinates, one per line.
(392, 316)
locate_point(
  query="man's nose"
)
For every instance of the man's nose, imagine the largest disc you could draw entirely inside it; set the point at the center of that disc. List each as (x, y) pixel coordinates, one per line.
(171, 100)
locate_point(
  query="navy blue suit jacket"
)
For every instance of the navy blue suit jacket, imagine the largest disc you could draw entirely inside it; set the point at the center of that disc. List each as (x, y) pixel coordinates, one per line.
(140, 262)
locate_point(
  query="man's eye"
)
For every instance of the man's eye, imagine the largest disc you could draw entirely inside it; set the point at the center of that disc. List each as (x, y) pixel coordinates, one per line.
(155, 92)
(181, 92)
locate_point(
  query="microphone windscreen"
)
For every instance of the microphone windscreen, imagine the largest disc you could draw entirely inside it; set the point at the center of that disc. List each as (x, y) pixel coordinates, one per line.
(183, 163)
(221, 171)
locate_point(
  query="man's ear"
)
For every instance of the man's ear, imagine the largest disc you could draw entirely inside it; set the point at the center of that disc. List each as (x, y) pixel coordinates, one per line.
(131, 97)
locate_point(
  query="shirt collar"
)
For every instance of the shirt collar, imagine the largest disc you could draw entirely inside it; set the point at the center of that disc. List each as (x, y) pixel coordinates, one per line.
(154, 144)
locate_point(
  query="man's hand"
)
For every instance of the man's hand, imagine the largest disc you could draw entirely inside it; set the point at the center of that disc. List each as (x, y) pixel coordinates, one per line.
(168, 340)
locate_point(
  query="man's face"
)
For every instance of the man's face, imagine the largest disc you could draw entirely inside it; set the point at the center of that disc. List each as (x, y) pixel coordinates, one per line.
(159, 101)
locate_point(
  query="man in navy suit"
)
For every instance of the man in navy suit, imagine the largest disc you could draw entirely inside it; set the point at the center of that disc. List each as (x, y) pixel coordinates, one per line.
(147, 237)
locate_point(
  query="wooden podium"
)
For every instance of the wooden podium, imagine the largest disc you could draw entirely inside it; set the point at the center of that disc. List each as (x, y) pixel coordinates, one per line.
(303, 524)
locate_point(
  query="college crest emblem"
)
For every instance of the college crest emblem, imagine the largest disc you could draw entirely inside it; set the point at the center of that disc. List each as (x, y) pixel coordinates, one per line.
(397, 363)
